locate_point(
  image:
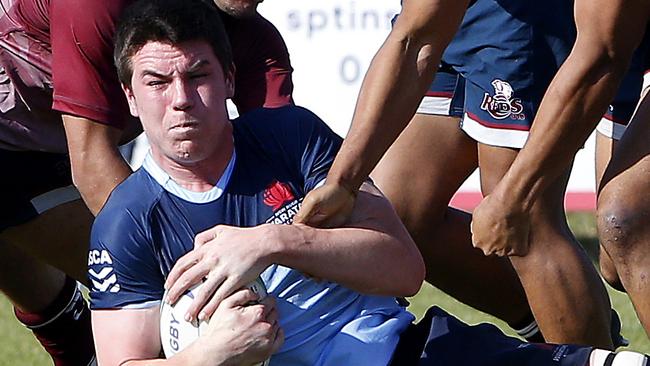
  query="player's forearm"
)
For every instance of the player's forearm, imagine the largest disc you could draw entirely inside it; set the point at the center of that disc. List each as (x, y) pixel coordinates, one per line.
(394, 85)
(376, 256)
(608, 33)
(574, 103)
(97, 165)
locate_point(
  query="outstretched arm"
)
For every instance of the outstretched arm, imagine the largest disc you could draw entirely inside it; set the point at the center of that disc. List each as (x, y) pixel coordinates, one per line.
(395, 83)
(372, 254)
(97, 166)
(608, 34)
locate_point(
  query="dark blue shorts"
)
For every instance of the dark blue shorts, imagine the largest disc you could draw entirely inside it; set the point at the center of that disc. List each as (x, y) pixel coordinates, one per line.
(33, 182)
(496, 69)
(440, 339)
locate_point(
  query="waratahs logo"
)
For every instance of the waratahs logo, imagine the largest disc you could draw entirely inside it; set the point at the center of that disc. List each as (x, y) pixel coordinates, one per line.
(276, 194)
(502, 105)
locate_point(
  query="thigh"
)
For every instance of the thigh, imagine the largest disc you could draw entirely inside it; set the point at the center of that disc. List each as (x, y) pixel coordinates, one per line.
(59, 237)
(425, 166)
(432, 156)
(43, 215)
(627, 179)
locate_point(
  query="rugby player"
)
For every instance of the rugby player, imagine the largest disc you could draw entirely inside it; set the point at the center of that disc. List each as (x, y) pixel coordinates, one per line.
(62, 117)
(237, 185)
(608, 35)
(492, 61)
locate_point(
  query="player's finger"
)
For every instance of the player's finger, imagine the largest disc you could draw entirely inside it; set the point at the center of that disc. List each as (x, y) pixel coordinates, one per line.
(307, 210)
(203, 295)
(239, 298)
(206, 236)
(190, 277)
(224, 290)
(183, 264)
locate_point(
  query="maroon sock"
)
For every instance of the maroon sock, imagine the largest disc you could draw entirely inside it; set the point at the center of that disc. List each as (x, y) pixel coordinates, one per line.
(63, 328)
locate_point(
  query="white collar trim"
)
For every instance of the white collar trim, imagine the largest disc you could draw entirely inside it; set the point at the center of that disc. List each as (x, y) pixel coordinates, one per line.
(160, 176)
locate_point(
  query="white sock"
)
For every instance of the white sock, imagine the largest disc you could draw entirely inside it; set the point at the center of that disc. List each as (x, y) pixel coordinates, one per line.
(528, 331)
(600, 357)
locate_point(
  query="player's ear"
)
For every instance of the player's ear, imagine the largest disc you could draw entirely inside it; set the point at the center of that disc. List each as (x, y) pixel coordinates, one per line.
(130, 98)
(230, 81)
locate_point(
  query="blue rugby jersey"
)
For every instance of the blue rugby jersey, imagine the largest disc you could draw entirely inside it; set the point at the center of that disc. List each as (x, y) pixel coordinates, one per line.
(279, 155)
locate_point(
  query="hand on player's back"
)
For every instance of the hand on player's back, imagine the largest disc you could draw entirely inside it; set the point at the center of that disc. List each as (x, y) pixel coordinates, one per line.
(499, 229)
(327, 206)
(245, 334)
(225, 258)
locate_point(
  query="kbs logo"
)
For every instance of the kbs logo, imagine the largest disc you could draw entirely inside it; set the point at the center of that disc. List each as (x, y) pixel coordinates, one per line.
(502, 105)
(276, 194)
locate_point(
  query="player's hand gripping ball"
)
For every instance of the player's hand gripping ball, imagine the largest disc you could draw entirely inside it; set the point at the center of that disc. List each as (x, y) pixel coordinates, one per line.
(176, 333)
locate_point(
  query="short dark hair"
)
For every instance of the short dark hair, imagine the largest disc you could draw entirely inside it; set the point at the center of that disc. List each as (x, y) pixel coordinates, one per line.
(168, 21)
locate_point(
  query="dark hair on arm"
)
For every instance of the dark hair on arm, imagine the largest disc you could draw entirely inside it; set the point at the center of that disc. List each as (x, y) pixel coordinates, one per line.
(168, 21)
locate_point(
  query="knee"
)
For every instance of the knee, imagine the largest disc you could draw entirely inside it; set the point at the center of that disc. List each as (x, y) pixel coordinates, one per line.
(618, 226)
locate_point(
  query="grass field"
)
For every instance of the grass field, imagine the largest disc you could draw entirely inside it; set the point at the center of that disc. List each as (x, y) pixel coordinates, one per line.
(18, 348)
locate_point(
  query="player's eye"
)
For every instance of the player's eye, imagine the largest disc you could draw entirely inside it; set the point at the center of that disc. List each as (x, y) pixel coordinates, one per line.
(198, 75)
(156, 82)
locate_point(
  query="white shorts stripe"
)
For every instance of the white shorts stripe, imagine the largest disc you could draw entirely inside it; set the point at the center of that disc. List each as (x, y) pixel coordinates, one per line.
(435, 105)
(493, 136)
(610, 129)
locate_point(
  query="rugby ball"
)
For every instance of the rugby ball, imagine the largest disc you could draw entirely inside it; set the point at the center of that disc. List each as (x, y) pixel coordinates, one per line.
(176, 333)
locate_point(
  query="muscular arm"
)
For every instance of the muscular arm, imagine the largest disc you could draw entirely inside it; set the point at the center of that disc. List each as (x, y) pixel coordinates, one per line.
(608, 33)
(97, 166)
(372, 254)
(397, 79)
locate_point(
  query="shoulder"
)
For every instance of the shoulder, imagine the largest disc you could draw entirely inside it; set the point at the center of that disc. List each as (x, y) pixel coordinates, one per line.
(127, 208)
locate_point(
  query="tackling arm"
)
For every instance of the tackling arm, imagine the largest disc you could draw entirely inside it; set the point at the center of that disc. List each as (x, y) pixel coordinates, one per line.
(397, 79)
(608, 33)
(372, 254)
(97, 166)
(395, 83)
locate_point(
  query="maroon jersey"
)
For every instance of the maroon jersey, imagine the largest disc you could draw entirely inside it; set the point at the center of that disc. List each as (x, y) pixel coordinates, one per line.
(56, 57)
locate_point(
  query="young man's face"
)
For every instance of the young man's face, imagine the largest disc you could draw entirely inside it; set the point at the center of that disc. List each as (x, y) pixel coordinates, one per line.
(238, 8)
(179, 93)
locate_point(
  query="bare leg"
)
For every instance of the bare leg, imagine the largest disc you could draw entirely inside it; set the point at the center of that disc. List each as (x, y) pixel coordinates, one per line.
(46, 300)
(59, 237)
(419, 174)
(623, 210)
(604, 150)
(563, 288)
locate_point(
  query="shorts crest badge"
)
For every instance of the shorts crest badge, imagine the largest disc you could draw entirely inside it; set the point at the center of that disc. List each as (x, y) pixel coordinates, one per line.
(502, 105)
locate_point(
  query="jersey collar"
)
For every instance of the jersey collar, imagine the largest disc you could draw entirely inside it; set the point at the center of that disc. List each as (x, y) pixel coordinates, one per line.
(160, 176)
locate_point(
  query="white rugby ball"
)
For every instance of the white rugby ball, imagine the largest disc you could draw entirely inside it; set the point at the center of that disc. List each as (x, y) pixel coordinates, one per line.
(176, 333)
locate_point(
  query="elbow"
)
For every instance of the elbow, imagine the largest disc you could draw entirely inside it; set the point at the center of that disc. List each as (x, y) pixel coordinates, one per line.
(606, 61)
(417, 273)
(412, 271)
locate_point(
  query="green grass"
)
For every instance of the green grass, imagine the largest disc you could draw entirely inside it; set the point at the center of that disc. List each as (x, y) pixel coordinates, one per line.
(19, 348)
